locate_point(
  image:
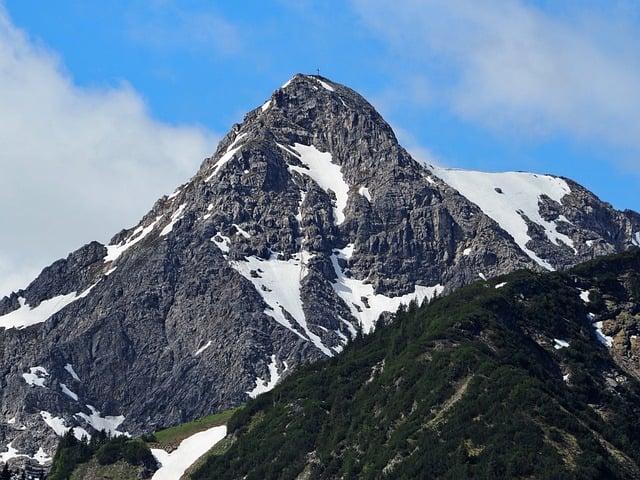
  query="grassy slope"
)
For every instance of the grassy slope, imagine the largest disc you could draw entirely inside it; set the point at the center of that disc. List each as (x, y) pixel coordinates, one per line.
(469, 386)
(170, 438)
(167, 439)
(121, 470)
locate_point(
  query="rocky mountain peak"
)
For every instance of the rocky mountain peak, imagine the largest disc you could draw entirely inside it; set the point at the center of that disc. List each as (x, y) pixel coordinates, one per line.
(312, 110)
(308, 224)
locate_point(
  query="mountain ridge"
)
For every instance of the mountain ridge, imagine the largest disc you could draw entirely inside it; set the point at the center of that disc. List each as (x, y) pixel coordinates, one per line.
(191, 310)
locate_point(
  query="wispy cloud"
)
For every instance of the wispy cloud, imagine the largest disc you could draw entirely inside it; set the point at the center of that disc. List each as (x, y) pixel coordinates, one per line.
(414, 89)
(76, 164)
(513, 66)
(414, 147)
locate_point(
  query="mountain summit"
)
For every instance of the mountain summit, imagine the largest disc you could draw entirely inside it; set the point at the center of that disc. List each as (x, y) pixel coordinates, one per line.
(308, 224)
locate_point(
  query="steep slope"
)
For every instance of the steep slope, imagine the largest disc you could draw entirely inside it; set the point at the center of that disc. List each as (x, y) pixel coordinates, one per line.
(518, 377)
(308, 223)
(555, 221)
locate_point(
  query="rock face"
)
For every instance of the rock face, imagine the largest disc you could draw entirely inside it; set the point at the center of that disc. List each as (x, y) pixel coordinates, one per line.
(445, 390)
(308, 223)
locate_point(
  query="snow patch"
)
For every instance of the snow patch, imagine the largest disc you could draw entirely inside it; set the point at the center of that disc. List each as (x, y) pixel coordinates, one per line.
(324, 85)
(558, 344)
(520, 196)
(69, 368)
(177, 215)
(25, 316)
(584, 296)
(107, 424)
(174, 464)
(36, 376)
(466, 252)
(202, 349)
(41, 456)
(500, 285)
(228, 155)
(263, 386)
(59, 426)
(222, 242)
(174, 194)
(361, 299)
(352, 330)
(364, 191)
(68, 392)
(636, 239)
(265, 106)
(241, 231)
(324, 172)
(343, 337)
(482, 276)
(299, 214)
(278, 282)
(605, 340)
(114, 251)
(10, 454)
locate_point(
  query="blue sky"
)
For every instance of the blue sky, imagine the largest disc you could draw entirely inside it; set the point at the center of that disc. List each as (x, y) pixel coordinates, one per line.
(489, 85)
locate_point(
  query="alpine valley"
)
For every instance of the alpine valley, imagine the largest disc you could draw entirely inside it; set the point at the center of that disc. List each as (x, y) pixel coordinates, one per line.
(298, 241)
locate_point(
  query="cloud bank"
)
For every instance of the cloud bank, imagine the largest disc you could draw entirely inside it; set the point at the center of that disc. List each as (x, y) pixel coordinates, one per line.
(76, 163)
(510, 65)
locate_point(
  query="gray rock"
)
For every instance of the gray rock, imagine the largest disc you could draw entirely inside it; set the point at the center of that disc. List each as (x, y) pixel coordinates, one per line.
(172, 329)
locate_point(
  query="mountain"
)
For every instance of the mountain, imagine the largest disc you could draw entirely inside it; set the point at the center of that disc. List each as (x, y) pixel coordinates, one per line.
(510, 378)
(308, 223)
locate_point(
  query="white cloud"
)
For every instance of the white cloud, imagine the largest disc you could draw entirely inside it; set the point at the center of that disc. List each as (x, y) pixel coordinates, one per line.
(509, 65)
(14, 276)
(76, 164)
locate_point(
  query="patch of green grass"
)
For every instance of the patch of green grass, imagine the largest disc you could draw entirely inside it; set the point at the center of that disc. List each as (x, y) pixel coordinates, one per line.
(171, 437)
(218, 449)
(116, 471)
(221, 447)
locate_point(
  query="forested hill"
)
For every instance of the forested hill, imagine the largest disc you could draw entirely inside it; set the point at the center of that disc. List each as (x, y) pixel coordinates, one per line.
(525, 376)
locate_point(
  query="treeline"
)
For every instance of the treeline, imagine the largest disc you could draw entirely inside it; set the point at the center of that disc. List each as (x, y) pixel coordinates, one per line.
(105, 449)
(469, 386)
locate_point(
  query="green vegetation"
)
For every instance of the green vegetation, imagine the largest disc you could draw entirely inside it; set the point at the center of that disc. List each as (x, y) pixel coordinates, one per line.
(469, 386)
(171, 437)
(117, 471)
(73, 455)
(125, 458)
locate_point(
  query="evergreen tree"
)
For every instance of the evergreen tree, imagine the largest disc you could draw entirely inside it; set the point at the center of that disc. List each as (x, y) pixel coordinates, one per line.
(6, 474)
